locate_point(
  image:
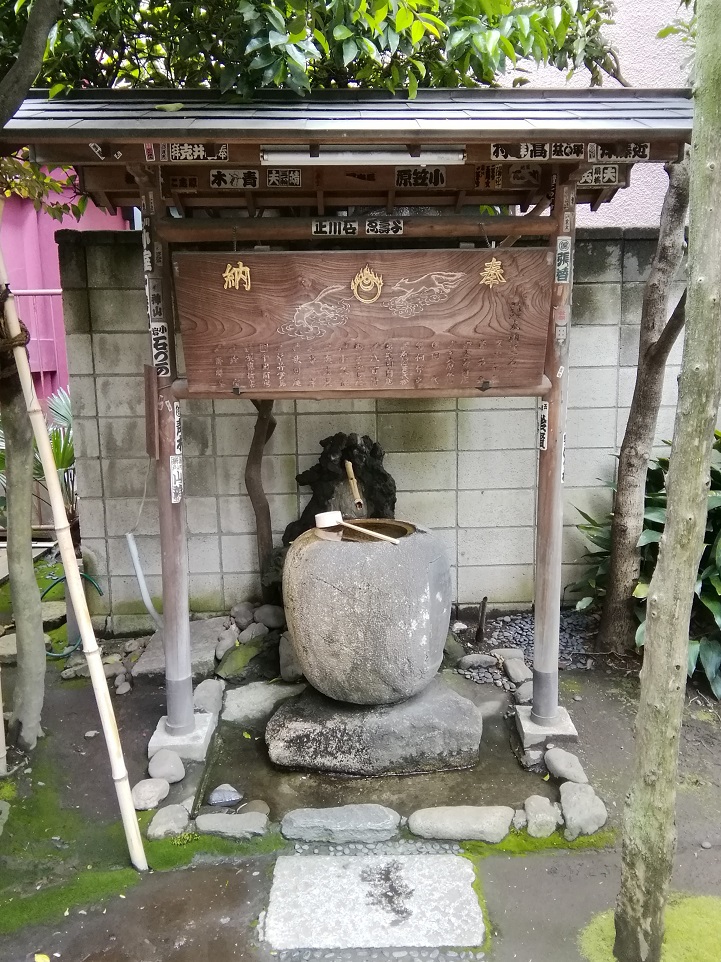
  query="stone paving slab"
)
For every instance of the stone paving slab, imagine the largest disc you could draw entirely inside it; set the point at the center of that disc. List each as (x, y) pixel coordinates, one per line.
(419, 901)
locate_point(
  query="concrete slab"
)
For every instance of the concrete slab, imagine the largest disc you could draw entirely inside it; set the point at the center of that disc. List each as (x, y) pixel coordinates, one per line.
(203, 639)
(327, 902)
(532, 735)
(192, 747)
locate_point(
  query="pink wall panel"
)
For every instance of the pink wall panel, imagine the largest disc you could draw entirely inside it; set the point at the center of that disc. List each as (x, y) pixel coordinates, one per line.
(28, 242)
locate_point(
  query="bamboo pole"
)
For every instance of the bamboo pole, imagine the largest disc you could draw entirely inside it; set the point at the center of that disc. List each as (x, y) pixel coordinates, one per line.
(75, 585)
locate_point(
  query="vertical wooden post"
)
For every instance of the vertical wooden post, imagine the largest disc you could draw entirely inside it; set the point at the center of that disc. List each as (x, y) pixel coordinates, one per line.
(169, 466)
(549, 521)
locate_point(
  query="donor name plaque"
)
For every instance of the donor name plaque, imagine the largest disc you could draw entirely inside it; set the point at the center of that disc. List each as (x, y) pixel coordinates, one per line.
(373, 323)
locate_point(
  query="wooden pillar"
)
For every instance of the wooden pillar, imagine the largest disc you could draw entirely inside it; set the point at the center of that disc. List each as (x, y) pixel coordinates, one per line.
(549, 520)
(169, 465)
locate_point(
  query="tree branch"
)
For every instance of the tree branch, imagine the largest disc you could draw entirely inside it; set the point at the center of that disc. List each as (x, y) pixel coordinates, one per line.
(19, 78)
(667, 338)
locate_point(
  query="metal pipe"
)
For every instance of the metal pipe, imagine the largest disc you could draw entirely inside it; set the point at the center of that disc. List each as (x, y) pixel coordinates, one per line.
(75, 585)
(147, 601)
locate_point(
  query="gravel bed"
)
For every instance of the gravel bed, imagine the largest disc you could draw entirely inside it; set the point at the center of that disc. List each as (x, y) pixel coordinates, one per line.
(576, 643)
(402, 846)
(355, 955)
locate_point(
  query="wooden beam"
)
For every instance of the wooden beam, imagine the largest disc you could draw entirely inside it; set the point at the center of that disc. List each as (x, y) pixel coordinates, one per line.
(540, 207)
(182, 391)
(183, 230)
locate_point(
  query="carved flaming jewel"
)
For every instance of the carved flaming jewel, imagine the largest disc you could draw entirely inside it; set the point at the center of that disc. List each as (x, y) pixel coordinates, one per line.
(367, 285)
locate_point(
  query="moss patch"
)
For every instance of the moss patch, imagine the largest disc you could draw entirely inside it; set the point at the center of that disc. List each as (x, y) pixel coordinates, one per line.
(693, 932)
(48, 904)
(478, 889)
(45, 573)
(571, 686)
(8, 791)
(521, 843)
(167, 854)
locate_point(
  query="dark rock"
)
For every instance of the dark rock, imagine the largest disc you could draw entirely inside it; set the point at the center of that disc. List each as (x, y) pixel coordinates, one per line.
(435, 730)
(242, 614)
(517, 670)
(327, 477)
(453, 651)
(225, 794)
(477, 661)
(272, 616)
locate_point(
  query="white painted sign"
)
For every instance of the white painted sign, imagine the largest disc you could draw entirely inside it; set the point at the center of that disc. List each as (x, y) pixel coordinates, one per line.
(543, 427)
(176, 478)
(385, 226)
(178, 428)
(283, 177)
(600, 175)
(236, 178)
(630, 152)
(193, 152)
(420, 176)
(334, 228)
(563, 260)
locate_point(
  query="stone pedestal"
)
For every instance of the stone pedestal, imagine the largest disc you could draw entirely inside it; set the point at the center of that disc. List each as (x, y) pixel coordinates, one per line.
(433, 731)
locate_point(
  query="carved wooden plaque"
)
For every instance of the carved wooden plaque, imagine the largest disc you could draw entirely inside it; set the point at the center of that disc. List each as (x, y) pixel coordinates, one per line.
(381, 323)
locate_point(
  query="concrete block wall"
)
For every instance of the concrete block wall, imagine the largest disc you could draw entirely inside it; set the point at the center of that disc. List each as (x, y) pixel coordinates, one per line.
(466, 468)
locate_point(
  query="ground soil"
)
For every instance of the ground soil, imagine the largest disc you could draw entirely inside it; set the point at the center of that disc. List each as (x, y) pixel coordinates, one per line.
(537, 903)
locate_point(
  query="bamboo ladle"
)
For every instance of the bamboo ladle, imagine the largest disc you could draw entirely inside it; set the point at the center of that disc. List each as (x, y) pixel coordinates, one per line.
(334, 519)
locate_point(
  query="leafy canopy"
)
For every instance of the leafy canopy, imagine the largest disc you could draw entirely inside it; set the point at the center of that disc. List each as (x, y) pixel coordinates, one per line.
(241, 45)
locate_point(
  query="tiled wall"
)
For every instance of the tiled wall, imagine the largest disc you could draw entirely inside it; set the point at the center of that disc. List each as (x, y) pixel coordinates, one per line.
(466, 468)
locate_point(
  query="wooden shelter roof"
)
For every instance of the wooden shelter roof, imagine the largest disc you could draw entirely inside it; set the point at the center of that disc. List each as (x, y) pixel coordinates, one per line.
(215, 155)
(490, 114)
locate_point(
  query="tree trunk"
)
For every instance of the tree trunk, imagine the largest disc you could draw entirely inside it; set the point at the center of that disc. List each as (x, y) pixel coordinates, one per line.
(264, 427)
(649, 838)
(24, 725)
(618, 623)
(19, 78)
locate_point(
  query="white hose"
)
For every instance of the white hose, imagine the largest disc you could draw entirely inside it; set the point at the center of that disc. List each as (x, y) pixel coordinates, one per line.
(147, 600)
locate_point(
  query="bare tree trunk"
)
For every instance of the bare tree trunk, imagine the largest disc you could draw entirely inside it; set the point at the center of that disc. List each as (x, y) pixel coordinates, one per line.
(264, 427)
(618, 623)
(24, 594)
(649, 838)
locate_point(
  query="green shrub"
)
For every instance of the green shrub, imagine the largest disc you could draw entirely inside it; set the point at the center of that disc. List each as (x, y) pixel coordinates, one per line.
(705, 642)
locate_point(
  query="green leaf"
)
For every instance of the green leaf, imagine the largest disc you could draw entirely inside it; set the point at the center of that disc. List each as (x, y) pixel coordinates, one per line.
(404, 18)
(693, 650)
(714, 500)
(247, 735)
(275, 18)
(713, 604)
(641, 589)
(710, 654)
(350, 52)
(584, 603)
(655, 514)
(641, 635)
(169, 108)
(56, 89)
(341, 32)
(277, 39)
(417, 32)
(320, 37)
(648, 536)
(412, 85)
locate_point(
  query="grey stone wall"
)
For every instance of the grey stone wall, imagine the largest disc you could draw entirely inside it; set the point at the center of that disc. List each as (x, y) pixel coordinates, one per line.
(466, 468)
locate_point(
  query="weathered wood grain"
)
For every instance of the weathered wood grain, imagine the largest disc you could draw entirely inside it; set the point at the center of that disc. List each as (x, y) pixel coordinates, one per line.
(434, 327)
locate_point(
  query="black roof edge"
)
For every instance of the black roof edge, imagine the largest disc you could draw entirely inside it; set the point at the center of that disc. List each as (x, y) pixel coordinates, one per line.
(199, 95)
